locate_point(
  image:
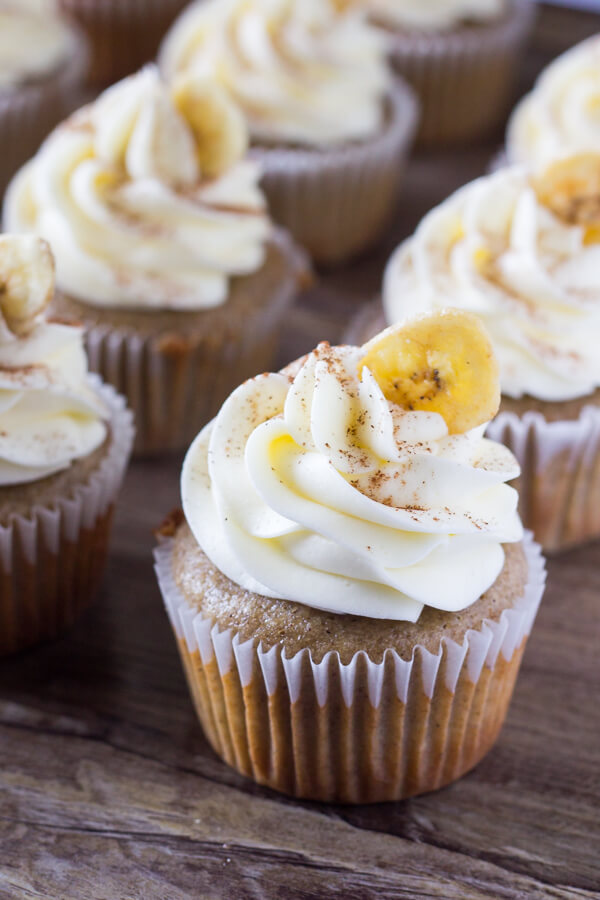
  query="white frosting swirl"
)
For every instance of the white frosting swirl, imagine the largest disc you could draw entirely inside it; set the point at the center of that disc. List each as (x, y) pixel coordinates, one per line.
(301, 71)
(561, 115)
(118, 192)
(49, 414)
(435, 15)
(317, 489)
(493, 249)
(33, 40)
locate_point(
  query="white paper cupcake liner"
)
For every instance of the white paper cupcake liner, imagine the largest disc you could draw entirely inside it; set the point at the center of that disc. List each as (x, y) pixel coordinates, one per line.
(559, 486)
(336, 202)
(176, 382)
(463, 78)
(361, 732)
(51, 560)
(29, 112)
(123, 34)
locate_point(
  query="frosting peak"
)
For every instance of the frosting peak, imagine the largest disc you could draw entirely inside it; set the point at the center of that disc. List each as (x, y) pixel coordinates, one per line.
(313, 487)
(303, 71)
(145, 197)
(561, 115)
(49, 414)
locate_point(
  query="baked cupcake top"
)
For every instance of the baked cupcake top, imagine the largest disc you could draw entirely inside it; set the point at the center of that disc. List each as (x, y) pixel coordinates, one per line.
(146, 197)
(34, 41)
(561, 115)
(305, 72)
(49, 413)
(523, 252)
(358, 480)
(435, 15)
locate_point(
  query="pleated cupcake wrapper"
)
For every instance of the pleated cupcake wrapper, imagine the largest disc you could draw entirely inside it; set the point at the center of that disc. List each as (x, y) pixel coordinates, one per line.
(559, 486)
(52, 559)
(464, 78)
(29, 112)
(337, 201)
(123, 34)
(361, 732)
(177, 381)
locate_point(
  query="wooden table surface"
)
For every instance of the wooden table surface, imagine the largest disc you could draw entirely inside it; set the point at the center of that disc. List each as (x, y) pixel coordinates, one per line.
(109, 791)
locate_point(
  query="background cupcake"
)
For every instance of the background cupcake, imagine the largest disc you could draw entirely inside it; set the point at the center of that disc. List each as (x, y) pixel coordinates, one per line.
(350, 622)
(164, 248)
(123, 34)
(42, 64)
(461, 57)
(523, 253)
(65, 439)
(328, 124)
(560, 115)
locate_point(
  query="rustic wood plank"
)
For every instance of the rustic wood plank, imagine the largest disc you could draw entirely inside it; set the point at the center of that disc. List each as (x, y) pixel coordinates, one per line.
(108, 789)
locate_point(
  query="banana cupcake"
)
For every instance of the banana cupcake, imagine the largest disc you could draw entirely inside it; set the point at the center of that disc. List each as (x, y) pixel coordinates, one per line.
(164, 248)
(329, 124)
(42, 64)
(523, 252)
(65, 439)
(560, 115)
(349, 584)
(461, 57)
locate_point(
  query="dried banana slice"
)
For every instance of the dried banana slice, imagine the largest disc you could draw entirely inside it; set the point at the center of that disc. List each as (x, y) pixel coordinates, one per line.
(218, 125)
(26, 280)
(570, 187)
(441, 363)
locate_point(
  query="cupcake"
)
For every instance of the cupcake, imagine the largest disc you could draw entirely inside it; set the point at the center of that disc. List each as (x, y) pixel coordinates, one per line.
(461, 57)
(65, 439)
(123, 34)
(523, 252)
(560, 115)
(164, 248)
(42, 63)
(329, 124)
(349, 583)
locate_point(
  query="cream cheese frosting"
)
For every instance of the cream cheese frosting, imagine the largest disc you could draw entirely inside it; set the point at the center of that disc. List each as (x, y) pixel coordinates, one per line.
(435, 15)
(128, 193)
(302, 71)
(561, 115)
(495, 249)
(34, 41)
(315, 488)
(49, 413)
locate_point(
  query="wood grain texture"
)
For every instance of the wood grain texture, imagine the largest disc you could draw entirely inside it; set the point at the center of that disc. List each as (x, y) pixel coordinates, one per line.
(109, 791)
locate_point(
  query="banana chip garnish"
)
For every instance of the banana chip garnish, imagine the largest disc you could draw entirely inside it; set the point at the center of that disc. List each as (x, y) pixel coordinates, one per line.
(441, 363)
(26, 280)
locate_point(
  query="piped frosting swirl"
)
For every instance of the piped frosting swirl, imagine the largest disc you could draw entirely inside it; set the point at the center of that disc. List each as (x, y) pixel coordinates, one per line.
(303, 71)
(311, 486)
(146, 198)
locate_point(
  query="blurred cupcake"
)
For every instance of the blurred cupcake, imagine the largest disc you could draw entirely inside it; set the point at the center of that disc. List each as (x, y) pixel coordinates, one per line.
(164, 248)
(123, 34)
(42, 64)
(461, 57)
(328, 123)
(560, 115)
(349, 585)
(65, 439)
(523, 252)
